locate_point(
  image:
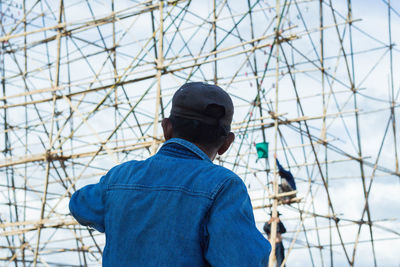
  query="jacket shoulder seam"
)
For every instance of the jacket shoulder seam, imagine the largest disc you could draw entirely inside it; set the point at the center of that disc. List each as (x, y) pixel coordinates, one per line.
(219, 186)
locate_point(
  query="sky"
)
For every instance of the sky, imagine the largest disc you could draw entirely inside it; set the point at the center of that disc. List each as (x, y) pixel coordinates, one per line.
(65, 119)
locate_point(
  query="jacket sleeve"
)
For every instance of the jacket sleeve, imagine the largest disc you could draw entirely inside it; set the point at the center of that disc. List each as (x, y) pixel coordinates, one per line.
(233, 239)
(87, 205)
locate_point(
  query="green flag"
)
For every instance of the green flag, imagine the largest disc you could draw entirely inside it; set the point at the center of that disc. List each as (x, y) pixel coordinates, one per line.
(262, 150)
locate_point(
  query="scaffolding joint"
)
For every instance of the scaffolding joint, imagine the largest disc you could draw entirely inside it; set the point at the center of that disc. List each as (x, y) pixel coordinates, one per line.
(336, 219)
(273, 115)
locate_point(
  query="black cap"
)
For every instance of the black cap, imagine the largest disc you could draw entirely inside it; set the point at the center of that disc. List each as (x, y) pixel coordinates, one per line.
(192, 101)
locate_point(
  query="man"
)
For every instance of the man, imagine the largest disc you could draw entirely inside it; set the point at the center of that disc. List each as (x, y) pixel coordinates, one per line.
(280, 229)
(177, 208)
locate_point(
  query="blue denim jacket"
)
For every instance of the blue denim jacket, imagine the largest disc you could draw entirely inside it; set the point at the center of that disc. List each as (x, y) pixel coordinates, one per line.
(176, 208)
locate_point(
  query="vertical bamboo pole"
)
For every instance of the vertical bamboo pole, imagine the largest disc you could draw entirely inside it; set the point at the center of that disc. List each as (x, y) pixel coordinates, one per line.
(160, 62)
(392, 88)
(214, 26)
(323, 132)
(7, 145)
(258, 84)
(358, 131)
(114, 63)
(26, 131)
(321, 60)
(272, 258)
(48, 157)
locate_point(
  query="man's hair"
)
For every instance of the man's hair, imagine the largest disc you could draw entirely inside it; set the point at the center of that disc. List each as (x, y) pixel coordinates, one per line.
(199, 132)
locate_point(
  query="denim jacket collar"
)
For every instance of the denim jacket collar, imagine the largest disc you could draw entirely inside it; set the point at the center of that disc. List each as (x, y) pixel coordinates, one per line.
(190, 146)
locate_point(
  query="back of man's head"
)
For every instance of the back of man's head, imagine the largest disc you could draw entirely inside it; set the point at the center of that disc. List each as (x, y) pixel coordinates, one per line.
(202, 114)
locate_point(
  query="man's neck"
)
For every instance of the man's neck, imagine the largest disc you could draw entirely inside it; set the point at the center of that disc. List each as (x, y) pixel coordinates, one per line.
(210, 154)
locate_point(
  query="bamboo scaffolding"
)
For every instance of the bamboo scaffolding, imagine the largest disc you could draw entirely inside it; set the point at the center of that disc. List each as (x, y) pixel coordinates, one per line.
(83, 91)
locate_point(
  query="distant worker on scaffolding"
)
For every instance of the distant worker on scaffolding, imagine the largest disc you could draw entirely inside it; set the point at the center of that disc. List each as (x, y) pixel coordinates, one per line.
(280, 229)
(288, 184)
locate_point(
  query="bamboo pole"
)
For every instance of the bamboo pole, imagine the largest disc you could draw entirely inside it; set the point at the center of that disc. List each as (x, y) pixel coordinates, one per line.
(272, 258)
(47, 172)
(160, 67)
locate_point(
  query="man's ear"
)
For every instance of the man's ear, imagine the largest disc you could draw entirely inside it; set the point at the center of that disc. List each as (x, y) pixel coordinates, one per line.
(167, 128)
(227, 143)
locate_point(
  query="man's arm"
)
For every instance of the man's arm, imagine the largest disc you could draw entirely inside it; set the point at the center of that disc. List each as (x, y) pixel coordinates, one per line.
(267, 227)
(279, 165)
(233, 239)
(87, 205)
(286, 175)
(281, 227)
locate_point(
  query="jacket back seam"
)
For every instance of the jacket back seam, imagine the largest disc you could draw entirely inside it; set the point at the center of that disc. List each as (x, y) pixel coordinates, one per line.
(159, 188)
